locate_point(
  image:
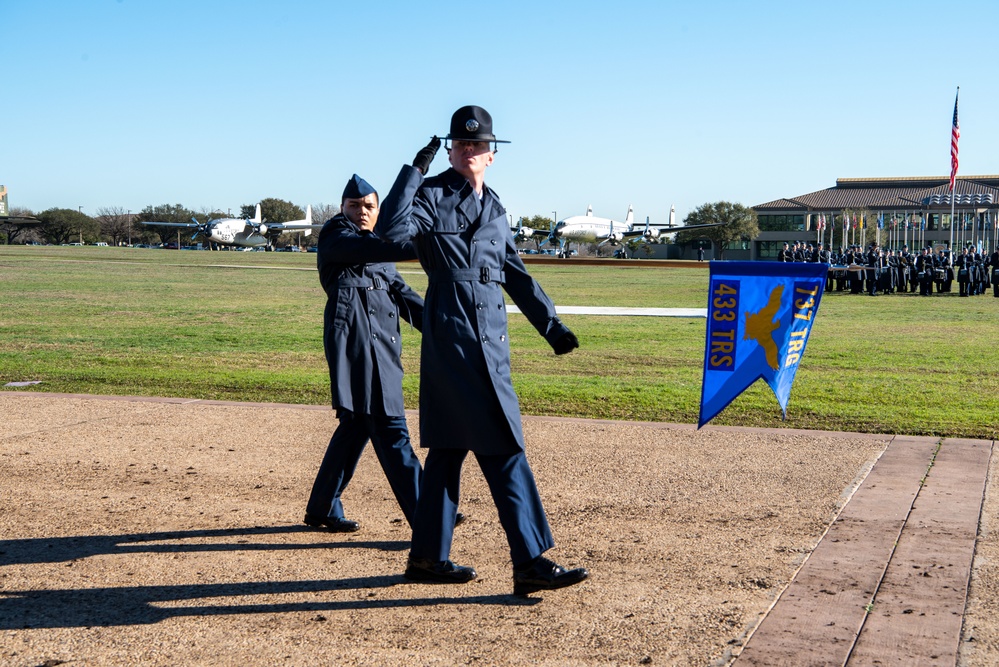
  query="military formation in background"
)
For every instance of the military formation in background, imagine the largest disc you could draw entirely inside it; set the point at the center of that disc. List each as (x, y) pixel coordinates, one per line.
(877, 270)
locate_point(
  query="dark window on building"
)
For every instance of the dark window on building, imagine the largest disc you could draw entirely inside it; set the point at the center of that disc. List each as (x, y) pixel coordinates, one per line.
(781, 223)
(768, 249)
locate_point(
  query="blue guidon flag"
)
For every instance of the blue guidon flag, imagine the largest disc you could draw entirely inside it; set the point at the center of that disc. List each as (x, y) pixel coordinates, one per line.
(760, 315)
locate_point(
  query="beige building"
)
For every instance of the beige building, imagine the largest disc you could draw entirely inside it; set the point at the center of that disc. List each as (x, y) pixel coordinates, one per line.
(913, 211)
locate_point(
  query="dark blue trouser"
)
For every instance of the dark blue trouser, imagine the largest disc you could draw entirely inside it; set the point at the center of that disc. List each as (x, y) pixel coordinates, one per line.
(390, 439)
(514, 492)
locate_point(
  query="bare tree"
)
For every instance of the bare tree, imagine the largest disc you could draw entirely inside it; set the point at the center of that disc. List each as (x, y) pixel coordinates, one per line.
(114, 222)
(323, 212)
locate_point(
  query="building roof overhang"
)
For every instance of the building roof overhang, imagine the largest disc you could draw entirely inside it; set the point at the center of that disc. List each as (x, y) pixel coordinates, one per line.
(918, 192)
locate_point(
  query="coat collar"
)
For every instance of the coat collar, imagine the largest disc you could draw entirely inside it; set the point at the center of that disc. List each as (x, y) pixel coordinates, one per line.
(470, 206)
(341, 221)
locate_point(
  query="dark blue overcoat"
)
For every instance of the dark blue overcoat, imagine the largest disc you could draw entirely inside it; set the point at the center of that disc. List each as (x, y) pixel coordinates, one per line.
(467, 399)
(365, 298)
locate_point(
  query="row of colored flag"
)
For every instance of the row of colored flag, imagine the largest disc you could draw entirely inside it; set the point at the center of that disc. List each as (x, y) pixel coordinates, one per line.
(853, 221)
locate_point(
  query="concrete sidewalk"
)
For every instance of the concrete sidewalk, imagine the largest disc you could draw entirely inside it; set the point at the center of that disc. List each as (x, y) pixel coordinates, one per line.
(165, 531)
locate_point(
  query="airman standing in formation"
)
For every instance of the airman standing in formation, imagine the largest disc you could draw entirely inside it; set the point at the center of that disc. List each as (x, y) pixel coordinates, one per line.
(879, 270)
(964, 272)
(994, 273)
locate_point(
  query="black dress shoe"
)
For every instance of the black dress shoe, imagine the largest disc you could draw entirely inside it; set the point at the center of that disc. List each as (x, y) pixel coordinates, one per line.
(332, 523)
(459, 519)
(542, 574)
(443, 572)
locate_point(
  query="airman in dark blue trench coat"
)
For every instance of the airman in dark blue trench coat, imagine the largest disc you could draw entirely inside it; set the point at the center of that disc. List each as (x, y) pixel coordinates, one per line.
(467, 400)
(365, 298)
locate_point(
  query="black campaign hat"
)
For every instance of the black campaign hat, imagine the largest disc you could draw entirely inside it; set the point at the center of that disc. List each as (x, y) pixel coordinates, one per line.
(472, 123)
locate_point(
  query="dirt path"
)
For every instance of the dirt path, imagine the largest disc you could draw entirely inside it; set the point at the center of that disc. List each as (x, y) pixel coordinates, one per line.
(137, 532)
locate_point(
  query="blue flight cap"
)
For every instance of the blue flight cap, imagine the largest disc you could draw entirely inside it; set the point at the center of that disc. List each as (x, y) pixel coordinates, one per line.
(357, 188)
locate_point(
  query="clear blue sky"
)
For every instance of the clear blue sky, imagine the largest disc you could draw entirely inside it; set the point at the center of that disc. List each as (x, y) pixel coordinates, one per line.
(222, 103)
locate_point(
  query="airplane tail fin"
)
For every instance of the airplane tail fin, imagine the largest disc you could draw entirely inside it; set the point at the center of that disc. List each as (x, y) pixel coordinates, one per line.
(589, 210)
(630, 220)
(3, 201)
(256, 217)
(308, 220)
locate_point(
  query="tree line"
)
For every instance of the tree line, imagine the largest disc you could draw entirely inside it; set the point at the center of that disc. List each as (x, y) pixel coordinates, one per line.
(738, 224)
(115, 225)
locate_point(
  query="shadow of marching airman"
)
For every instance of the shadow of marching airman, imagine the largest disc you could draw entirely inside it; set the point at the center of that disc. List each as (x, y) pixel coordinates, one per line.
(61, 549)
(141, 605)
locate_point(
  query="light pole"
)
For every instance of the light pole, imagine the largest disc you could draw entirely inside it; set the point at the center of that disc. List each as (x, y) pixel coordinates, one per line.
(554, 221)
(80, 209)
(128, 218)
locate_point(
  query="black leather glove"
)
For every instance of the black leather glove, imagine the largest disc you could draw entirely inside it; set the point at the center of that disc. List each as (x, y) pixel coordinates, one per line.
(426, 155)
(566, 343)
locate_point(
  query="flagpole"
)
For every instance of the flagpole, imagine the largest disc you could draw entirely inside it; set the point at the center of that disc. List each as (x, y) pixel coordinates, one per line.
(843, 240)
(975, 222)
(995, 232)
(955, 134)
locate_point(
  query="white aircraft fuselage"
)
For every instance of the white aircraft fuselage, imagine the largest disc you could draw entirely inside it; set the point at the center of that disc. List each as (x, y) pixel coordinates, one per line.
(243, 232)
(591, 229)
(233, 231)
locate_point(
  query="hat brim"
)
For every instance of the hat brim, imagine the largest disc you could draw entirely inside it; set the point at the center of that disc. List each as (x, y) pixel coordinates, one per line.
(489, 139)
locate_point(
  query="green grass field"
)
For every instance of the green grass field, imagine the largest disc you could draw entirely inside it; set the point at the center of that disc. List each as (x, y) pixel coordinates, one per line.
(247, 327)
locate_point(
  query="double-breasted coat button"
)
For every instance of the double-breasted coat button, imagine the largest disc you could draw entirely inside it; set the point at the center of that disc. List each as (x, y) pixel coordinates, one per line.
(493, 241)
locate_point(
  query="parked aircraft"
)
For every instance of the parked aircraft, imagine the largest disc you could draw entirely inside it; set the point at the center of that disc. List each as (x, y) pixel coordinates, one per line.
(243, 232)
(604, 231)
(5, 215)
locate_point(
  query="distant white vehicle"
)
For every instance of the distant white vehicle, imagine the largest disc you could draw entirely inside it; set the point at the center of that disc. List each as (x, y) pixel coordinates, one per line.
(242, 232)
(604, 231)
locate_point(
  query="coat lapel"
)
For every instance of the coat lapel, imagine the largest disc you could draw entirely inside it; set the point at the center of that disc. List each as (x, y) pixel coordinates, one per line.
(470, 207)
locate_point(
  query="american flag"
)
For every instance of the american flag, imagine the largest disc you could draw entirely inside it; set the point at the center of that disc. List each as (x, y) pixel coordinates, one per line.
(955, 134)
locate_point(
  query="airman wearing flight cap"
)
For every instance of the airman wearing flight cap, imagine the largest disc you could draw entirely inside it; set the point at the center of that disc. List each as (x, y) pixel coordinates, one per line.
(467, 400)
(365, 298)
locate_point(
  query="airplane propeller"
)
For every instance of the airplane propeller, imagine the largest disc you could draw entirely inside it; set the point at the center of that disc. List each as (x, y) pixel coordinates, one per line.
(201, 229)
